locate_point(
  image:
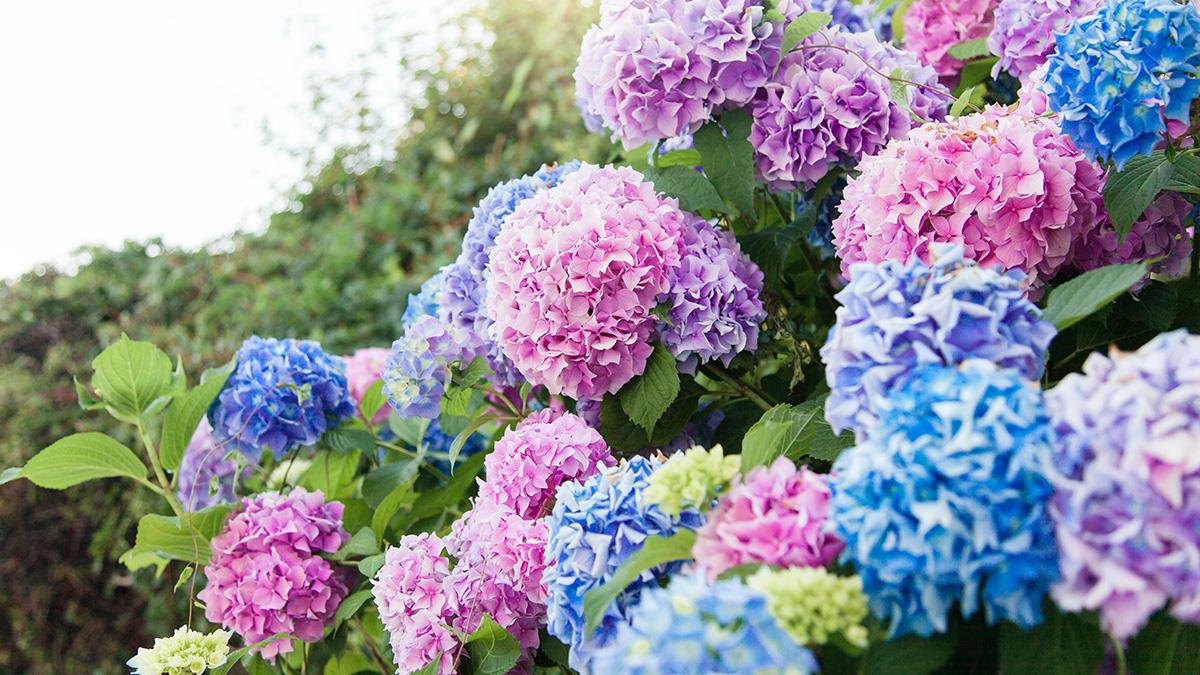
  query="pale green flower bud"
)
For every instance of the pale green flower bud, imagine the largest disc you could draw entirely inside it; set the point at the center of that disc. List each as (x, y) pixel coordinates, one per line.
(815, 606)
(690, 479)
(187, 652)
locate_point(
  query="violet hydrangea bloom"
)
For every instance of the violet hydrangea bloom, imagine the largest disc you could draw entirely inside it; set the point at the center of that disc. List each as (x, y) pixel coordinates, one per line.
(932, 27)
(1023, 35)
(713, 303)
(265, 575)
(364, 368)
(575, 273)
(282, 394)
(595, 526)
(896, 316)
(1117, 76)
(1161, 234)
(946, 501)
(532, 459)
(1127, 479)
(826, 108)
(206, 478)
(418, 370)
(410, 592)
(1007, 186)
(775, 515)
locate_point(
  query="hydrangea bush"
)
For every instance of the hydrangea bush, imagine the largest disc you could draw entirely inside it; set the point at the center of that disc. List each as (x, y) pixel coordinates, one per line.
(805, 377)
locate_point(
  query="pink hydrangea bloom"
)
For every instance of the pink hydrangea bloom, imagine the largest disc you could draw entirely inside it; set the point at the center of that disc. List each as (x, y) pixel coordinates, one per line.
(529, 463)
(264, 576)
(1007, 186)
(575, 273)
(411, 596)
(932, 27)
(774, 515)
(363, 369)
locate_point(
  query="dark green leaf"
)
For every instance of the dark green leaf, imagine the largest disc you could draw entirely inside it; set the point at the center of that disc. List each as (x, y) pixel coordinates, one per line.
(1090, 291)
(646, 397)
(432, 502)
(130, 377)
(622, 434)
(1165, 647)
(350, 438)
(461, 439)
(378, 484)
(184, 416)
(793, 431)
(1063, 644)
(655, 551)
(728, 158)
(1129, 191)
(82, 457)
(1185, 175)
(362, 543)
(909, 655)
(493, 650)
(400, 496)
(350, 607)
(970, 49)
(689, 186)
(770, 248)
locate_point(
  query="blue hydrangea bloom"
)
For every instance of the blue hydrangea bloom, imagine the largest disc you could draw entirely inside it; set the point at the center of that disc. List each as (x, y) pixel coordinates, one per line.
(595, 526)
(418, 369)
(947, 500)
(895, 316)
(427, 301)
(693, 627)
(1115, 74)
(283, 394)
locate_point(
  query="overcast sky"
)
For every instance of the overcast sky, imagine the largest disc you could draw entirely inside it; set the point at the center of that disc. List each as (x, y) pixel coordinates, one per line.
(127, 119)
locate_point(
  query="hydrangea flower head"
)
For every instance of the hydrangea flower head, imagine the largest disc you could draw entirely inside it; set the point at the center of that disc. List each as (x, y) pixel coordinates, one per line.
(1005, 185)
(1127, 474)
(1160, 234)
(363, 369)
(283, 394)
(828, 107)
(946, 501)
(265, 577)
(531, 460)
(692, 626)
(187, 652)
(814, 606)
(575, 273)
(428, 300)
(932, 27)
(774, 515)
(418, 370)
(691, 479)
(713, 303)
(594, 527)
(1023, 35)
(1118, 75)
(206, 478)
(896, 316)
(411, 596)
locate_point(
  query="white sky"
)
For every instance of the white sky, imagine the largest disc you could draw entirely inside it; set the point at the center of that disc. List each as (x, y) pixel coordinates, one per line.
(127, 119)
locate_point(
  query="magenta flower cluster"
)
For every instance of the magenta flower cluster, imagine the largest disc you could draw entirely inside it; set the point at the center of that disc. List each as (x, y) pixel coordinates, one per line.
(575, 273)
(1127, 479)
(409, 592)
(266, 575)
(932, 27)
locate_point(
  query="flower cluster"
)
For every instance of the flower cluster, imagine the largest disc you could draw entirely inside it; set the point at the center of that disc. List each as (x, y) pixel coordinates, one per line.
(427, 301)
(1127, 475)
(814, 606)
(187, 652)
(594, 527)
(946, 502)
(895, 316)
(1160, 234)
(690, 479)
(410, 594)
(545, 450)
(1117, 76)
(265, 575)
(283, 394)
(1023, 36)
(575, 273)
(932, 27)
(206, 478)
(713, 305)
(692, 626)
(418, 370)
(828, 106)
(1007, 186)
(363, 369)
(775, 515)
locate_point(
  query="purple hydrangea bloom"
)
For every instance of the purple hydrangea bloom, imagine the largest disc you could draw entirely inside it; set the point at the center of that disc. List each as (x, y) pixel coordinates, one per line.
(946, 502)
(826, 108)
(1023, 35)
(418, 369)
(206, 478)
(427, 301)
(1127, 473)
(283, 394)
(1161, 234)
(594, 527)
(895, 316)
(713, 304)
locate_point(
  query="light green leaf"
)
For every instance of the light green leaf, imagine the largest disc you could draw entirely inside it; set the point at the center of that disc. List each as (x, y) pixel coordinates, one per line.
(964, 99)
(801, 28)
(689, 158)
(461, 439)
(899, 90)
(370, 565)
(1129, 191)
(166, 538)
(493, 650)
(350, 607)
(330, 472)
(689, 186)
(373, 401)
(82, 457)
(898, 20)
(184, 416)
(1078, 298)
(970, 49)
(520, 74)
(655, 551)
(10, 474)
(975, 72)
(646, 397)
(130, 377)
(184, 575)
(793, 431)
(728, 158)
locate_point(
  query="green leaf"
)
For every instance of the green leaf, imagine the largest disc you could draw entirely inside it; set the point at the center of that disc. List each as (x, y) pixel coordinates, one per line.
(520, 74)
(237, 654)
(689, 186)
(370, 565)
(793, 431)
(909, 655)
(330, 472)
(10, 474)
(166, 538)
(728, 158)
(493, 650)
(362, 543)
(808, 23)
(82, 457)
(184, 575)
(433, 502)
(373, 401)
(1090, 291)
(970, 49)
(689, 158)
(898, 20)
(1129, 191)
(350, 607)
(348, 438)
(1185, 175)
(960, 103)
(461, 439)
(1165, 647)
(624, 435)
(1063, 644)
(184, 416)
(381, 482)
(398, 497)
(646, 397)
(899, 90)
(131, 377)
(770, 248)
(975, 72)
(655, 551)
(431, 668)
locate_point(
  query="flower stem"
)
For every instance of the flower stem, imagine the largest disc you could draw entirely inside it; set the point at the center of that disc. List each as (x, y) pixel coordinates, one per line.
(161, 475)
(759, 397)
